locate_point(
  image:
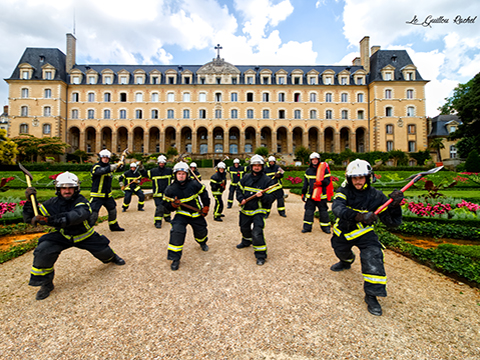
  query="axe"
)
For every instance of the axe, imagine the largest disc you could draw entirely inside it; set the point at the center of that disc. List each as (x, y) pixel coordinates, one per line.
(182, 204)
(29, 177)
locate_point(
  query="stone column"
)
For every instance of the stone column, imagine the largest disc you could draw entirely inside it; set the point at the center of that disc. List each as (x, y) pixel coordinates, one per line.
(130, 141)
(336, 142)
(274, 142)
(353, 141)
(178, 141)
(81, 140)
(194, 143)
(320, 142)
(146, 142)
(242, 142)
(114, 141)
(210, 150)
(305, 140)
(258, 140)
(289, 142)
(162, 142)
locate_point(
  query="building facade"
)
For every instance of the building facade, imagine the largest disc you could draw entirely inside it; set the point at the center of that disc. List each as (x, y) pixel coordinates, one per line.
(218, 109)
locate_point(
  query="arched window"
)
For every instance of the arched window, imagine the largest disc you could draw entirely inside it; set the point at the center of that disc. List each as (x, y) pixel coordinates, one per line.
(233, 149)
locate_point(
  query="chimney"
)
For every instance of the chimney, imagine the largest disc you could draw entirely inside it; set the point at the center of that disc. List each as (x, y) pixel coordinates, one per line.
(5, 110)
(365, 53)
(71, 50)
(375, 49)
(357, 62)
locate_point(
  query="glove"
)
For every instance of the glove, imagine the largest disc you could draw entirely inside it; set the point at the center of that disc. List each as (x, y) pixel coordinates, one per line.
(39, 219)
(304, 199)
(30, 191)
(176, 203)
(113, 167)
(278, 175)
(367, 218)
(317, 184)
(205, 211)
(397, 197)
(121, 184)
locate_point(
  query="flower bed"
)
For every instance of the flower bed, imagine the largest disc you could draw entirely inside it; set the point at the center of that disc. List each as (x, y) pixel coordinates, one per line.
(442, 208)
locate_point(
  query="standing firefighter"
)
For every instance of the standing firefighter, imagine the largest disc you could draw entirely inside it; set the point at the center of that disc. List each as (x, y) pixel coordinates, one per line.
(129, 182)
(101, 194)
(69, 213)
(275, 172)
(189, 199)
(161, 178)
(217, 184)
(354, 205)
(316, 176)
(236, 172)
(255, 195)
(193, 169)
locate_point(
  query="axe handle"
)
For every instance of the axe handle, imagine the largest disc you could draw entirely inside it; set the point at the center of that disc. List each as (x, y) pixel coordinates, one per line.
(184, 205)
(389, 201)
(33, 199)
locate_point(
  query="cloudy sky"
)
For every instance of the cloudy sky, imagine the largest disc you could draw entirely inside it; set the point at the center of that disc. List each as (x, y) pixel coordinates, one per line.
(251, 32)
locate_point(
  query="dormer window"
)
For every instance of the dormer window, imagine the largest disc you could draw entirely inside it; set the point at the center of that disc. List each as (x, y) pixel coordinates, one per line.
(281, 80)
(48, 75)
(328, 80)
(452, 129)
(91, 79)
(123, 80)
(250, 80)
(25, 75)
(387, 76)
(343, 80)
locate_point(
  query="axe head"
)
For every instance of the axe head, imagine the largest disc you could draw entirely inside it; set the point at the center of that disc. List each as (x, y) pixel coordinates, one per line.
(25, 171)
(431, 171)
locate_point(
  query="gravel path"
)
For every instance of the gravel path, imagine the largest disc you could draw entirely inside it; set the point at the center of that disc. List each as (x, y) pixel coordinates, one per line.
(221, 305)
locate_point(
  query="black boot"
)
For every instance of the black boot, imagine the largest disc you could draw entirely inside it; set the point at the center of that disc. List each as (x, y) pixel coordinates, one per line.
(116, 227)
(124, 209)
(243, 245)
(305, 231)
(175, 265)
(260, 261)
(326, 229)
(217, 219)
(204, 246)
(340, 266)
(158, 224)
(282, 214)
(229, 206)
(168, 219)
(44, 291)
(117, 260)
(141, 209)
(373, 305)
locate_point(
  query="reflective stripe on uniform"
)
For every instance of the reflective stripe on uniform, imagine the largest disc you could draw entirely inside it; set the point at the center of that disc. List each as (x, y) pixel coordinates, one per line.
(375, 279)
(41, 272)
(186, 213)
(175, 248)
(77, 238)
(43, 210)
(260, 248)
(253, 212)
(201, 240)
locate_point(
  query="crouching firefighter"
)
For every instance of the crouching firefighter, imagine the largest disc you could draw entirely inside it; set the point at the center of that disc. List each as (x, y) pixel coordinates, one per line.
(354, 206)
(255, 195)
(129, 182)
(70, 214)
(217, 184)
(189, 199)
(101, 194)
(161, 177)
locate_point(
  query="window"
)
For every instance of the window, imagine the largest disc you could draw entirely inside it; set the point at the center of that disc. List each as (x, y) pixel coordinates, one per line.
(186, 114)
(24, 93)
(344, 114)
(389, 145)
(313, 97)
(186, 81)
(91, 114)
(123, 80)
(297, 114)
(360, 98)
(170, 97)
(313, 114)
(155, 97)
(411, 129)
(388, 76)
(388, 111)
(203, 148)
(138, 114)
(123, 114)
(411, 146)
(234, 97)
(170, 114)
(47, 129)
(409, 94)
(296, 80)
(171, 80)
(202, 114)
(24, 111)
(409, 76)
(453, 152)
(328, 97)
(47, 94)
(138, 97)
(344, 97)
(281, 114)
(47, 111)
(266, 114)
(75, 114)
(360, 81)
(452, 129)
(296, 97)
(328, 114)
(281, 97)
(218, 114)
(248, 148)
(249, 97)
(48, 75)
(154, 114)
(343, 80)
(388, 94)
(202, 80)
(389, 129)
(233, 149)
(249, 114)
(328, 81)
(360, 115)
(202, 97)
(25, 75)
(123, 97)
(106, 114)
(218, 97)
(234, 114)
(219, 80)
(312, 80)
(108, 80)
(23, 129)
(410, 111)
(139, 80)
(281, 80)
(91, 97)
(234, 80)
(266, 97)
(76, 80)
(186, 97)
(155, 80)
(265, 80)
(250, 80)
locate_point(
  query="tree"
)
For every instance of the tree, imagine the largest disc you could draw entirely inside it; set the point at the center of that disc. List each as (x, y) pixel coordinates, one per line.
(8, 149)
(30, 146)
(262, 150)
(302, 154)
(80, 154)
(171, 152)
(437, 144)
(27, 146)
(472, 164)
(51, 146)
(398, 157)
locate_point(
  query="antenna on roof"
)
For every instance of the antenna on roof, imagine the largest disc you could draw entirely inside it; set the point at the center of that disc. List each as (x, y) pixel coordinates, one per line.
(74, 20)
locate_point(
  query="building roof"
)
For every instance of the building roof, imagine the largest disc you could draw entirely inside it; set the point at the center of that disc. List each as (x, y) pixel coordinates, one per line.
(34, 56)
(396, 58)
(439, 125)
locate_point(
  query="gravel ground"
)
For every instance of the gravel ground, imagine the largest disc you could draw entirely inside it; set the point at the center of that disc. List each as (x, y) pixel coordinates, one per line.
(221, 305)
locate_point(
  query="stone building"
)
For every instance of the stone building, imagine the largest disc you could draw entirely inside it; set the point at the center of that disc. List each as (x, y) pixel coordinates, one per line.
(217, 109)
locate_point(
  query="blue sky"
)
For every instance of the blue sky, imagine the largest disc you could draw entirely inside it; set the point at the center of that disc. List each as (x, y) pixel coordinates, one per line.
(251, 32)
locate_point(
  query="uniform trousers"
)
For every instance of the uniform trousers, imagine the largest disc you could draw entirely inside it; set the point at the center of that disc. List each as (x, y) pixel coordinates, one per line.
(310, 206)
(251, 228)
(179, 231)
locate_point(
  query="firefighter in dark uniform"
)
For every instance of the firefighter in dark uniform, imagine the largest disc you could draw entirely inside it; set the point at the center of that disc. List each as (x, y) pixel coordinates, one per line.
(236, 173)
(69, 213)
(253, 212)
(275, 172)
(101, 194)
(179, 196)
(309, 184)
(161, 177)
(193, 168)
(354, 206)
(218, 183)
(129, 182)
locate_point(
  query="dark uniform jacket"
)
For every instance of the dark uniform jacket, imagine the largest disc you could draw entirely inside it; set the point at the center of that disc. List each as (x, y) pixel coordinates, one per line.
(236, 174)
(190, 192)
(218, 182)
(271, 172)
(128, 177)
(102, 180)
(348, 202)
(250, 185)
(69, 217)
(198, 175)
(161, 178)
(309, 181)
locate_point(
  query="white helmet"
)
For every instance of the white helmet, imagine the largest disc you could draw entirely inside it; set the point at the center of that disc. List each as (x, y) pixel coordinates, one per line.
(180, 166)
(272, 158)
(133, 165)
(67, 180)
(257, 159)
(193, 165)
(221, 165)
(162, 159)
(314, 155)
(359, 168)
(105, 153)
(236, 161)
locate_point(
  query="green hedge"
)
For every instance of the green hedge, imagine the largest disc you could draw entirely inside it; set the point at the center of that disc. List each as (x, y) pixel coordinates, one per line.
(451, 222)
(437, 230)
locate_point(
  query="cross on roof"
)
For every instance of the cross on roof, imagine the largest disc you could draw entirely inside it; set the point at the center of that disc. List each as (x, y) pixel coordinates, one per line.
(218, 48)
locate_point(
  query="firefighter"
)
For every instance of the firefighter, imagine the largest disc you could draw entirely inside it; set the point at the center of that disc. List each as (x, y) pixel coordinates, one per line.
(182, 195)
(217, 184)
(193, 168)
(70, 214)
(253, 212)
(101, 194)
(161, 178)
(275, 172)
(129, 182)
(236, 172)
(309, 183)
(354, 206)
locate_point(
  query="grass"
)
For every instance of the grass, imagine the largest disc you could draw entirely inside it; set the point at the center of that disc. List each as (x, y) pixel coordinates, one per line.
(44, 194)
